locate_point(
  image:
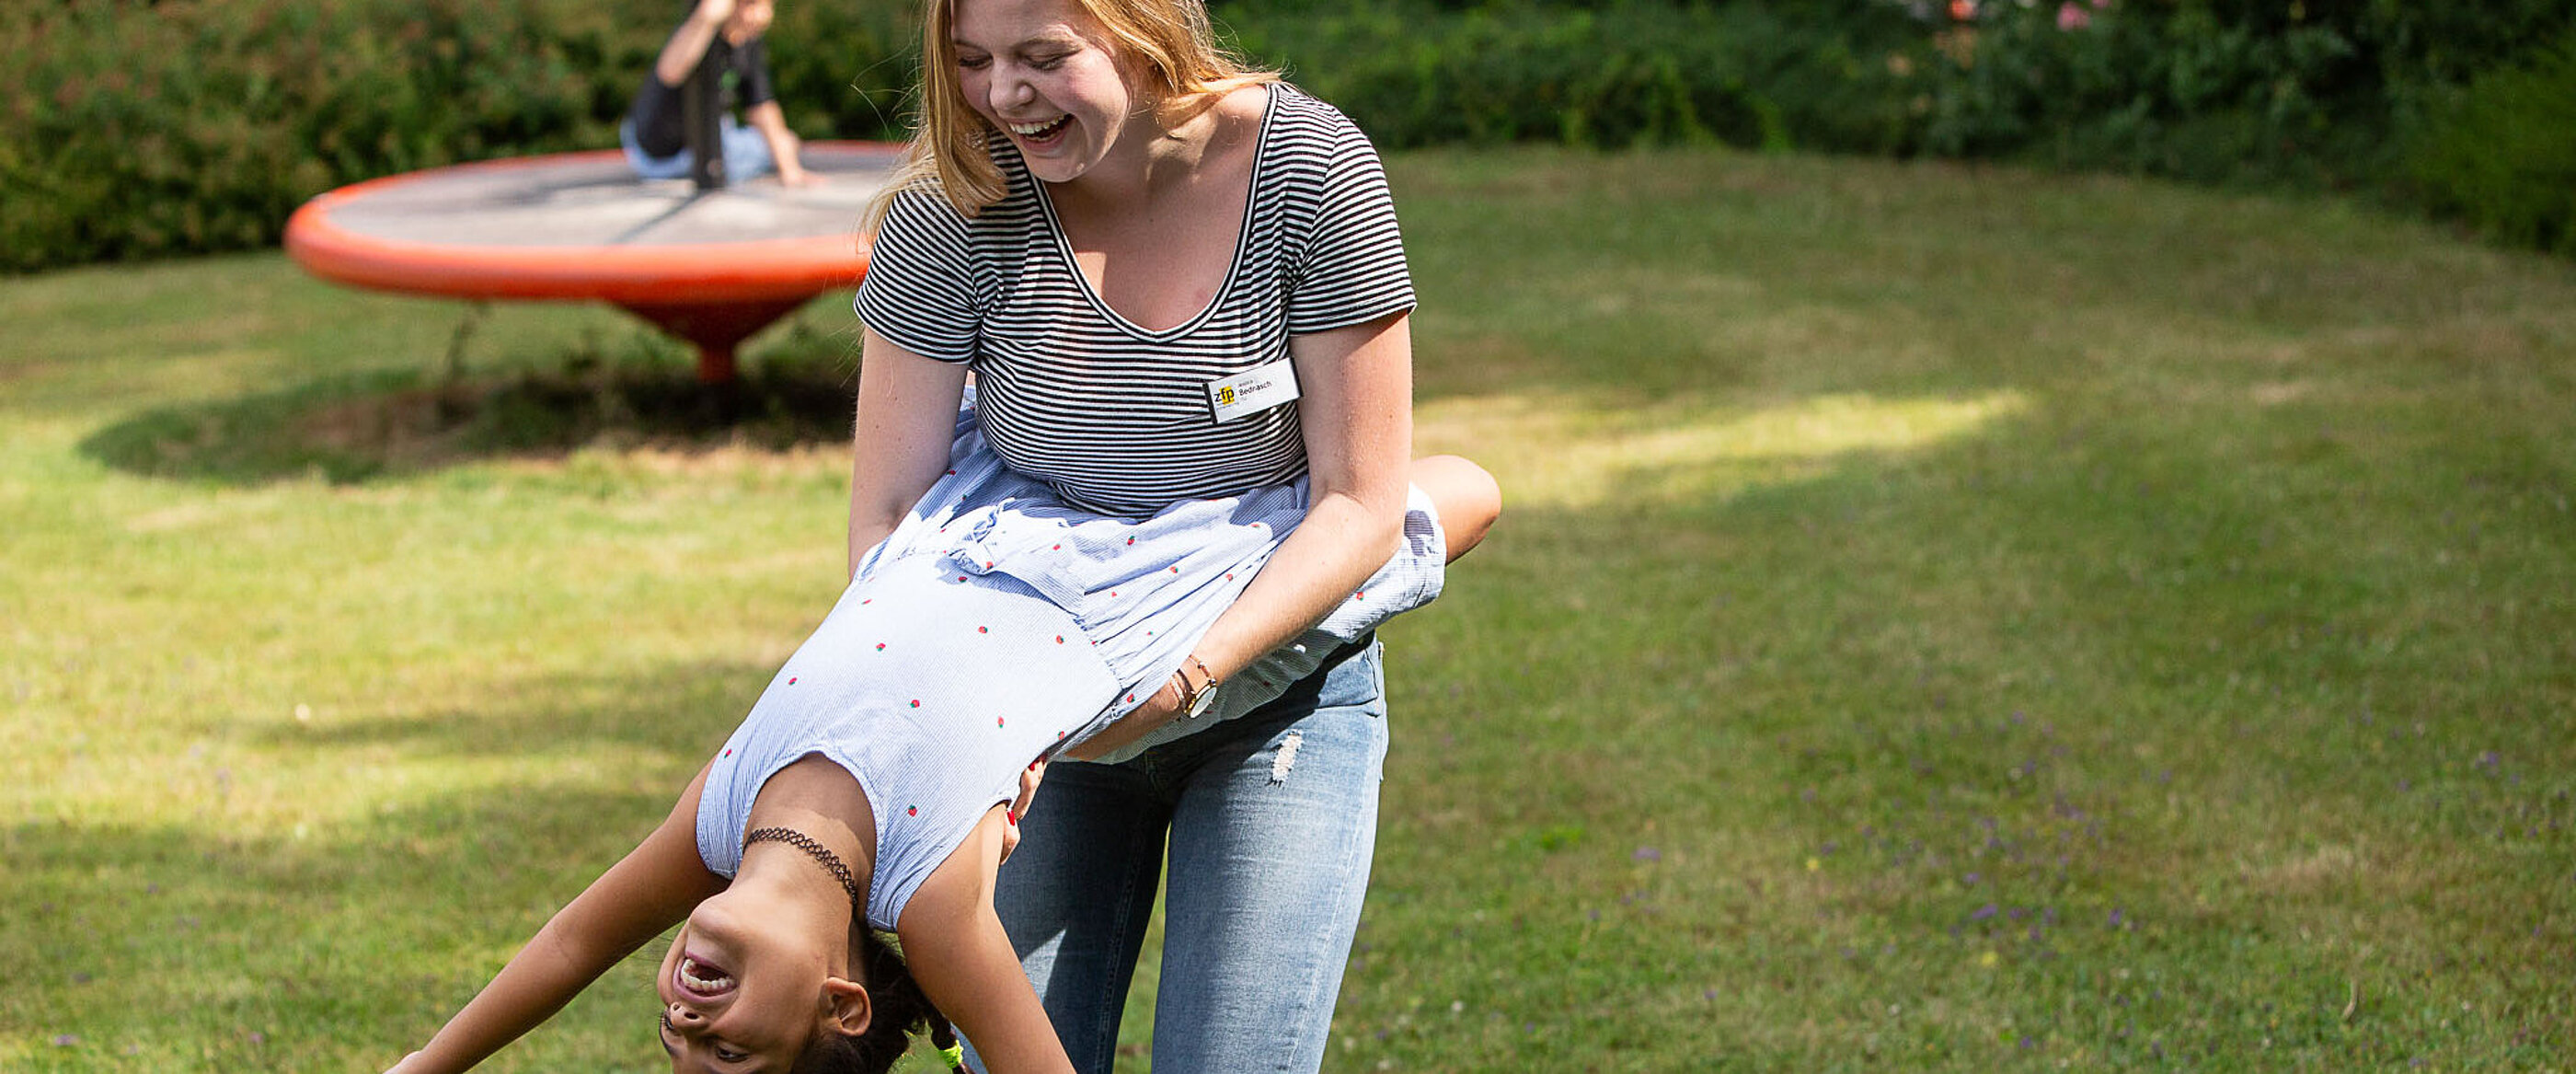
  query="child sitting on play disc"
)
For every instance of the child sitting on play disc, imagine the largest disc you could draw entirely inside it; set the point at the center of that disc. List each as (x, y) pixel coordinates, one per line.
(727, 35)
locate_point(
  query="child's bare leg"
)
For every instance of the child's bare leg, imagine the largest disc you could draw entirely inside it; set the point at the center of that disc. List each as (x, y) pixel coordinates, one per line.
(1466, 496)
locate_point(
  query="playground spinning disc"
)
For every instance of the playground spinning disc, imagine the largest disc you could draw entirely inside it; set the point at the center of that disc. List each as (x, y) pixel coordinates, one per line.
(709, 266)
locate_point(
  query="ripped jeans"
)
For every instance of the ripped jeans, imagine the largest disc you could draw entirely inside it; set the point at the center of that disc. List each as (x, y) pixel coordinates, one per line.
(1271, 820)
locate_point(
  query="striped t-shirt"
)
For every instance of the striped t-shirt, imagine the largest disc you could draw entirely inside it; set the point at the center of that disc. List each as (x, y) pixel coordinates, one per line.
(1114, 417)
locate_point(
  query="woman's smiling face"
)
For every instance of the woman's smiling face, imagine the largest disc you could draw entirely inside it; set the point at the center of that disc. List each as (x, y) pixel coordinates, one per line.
(1048, 77)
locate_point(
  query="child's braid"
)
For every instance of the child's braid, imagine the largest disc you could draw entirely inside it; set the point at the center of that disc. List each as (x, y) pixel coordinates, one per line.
(897, 1005)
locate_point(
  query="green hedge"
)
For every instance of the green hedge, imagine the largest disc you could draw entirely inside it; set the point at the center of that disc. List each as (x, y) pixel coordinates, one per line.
(2502, 154)
(1414, 72)
(2318, 93)
(137, 129)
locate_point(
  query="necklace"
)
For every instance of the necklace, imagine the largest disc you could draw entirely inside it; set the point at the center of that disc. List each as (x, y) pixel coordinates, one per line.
(830, 862)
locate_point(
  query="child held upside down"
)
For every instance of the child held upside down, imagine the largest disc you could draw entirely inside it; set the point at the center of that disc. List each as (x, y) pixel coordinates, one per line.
(877, 782)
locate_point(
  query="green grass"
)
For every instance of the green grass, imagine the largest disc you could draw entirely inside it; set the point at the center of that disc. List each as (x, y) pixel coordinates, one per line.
(1946, 618)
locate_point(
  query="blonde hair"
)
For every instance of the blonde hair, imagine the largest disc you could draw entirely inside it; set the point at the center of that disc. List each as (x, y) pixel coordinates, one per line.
(1171, 40)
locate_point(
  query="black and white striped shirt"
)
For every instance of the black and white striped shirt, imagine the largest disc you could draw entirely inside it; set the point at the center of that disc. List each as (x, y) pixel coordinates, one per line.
(1116, 418)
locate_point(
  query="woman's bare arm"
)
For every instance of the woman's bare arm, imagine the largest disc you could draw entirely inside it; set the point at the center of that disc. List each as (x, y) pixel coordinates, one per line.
(1355, 408)
(648, 891)
(900, 439)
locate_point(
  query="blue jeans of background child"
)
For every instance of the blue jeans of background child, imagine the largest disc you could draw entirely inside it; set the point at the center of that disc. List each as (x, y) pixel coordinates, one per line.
(746, 153)
(1270, 846)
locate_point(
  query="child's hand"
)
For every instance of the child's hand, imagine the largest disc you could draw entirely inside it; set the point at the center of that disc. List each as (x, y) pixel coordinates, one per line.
(408, 1064)
(786, 147)
(714, 12)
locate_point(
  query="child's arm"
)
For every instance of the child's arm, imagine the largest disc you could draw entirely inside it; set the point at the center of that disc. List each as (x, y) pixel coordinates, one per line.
(648, 891)
(963, 961)
(680, 55)
(767, 118)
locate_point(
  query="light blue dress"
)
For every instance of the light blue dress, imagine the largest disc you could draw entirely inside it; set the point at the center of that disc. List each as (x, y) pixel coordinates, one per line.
(998, 624)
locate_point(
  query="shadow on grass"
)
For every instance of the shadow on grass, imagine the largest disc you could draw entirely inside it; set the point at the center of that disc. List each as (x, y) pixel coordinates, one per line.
(369, 426)
(687, 708)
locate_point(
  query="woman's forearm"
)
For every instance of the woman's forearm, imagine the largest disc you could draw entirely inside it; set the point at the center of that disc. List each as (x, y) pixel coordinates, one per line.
(1344, 538)
(1356, 415)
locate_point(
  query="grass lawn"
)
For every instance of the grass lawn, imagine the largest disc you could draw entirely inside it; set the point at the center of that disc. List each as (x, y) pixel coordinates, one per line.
(1946, 618)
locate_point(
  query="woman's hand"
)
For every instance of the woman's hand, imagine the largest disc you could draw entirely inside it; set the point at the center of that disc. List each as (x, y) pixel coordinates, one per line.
(1165, 706)
(1156, 711)
(1029, 779)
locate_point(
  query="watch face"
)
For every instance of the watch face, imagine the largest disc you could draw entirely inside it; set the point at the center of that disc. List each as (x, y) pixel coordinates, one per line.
(1206, 700)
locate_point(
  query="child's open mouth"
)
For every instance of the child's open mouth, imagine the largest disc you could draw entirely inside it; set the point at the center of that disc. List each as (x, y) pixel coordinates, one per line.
(702, 980)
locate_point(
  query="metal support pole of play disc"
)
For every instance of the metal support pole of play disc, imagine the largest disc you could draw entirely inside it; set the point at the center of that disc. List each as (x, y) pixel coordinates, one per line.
(700, 112)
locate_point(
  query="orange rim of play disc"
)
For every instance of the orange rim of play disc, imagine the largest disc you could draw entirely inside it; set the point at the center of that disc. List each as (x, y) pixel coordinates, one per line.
(640, 274)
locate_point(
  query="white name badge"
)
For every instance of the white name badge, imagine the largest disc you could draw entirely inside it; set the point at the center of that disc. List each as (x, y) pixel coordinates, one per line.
(1252, 392)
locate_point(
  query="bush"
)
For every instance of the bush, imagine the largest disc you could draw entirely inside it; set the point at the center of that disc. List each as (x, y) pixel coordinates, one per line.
(139, 130)
(2083, 83)
(1610, 74)
(145, 128)
(187, 126)
(2503, 153)
(844, 70)
(2305, 93)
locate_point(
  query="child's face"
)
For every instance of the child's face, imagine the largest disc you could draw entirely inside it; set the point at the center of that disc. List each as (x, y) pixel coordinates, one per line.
(733, 991)
(751, 18)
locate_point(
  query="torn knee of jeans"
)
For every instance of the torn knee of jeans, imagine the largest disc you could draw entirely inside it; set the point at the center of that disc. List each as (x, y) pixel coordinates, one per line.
(1285, 759)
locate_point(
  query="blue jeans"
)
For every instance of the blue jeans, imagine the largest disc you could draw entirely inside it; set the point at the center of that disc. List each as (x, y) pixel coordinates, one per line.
(1270, 847)
(746, 154)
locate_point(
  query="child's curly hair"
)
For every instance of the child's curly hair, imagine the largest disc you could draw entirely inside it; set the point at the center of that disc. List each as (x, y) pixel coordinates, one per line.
(897, 1006)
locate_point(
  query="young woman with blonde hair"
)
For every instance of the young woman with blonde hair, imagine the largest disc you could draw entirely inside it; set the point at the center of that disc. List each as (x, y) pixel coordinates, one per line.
(1110, 219)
